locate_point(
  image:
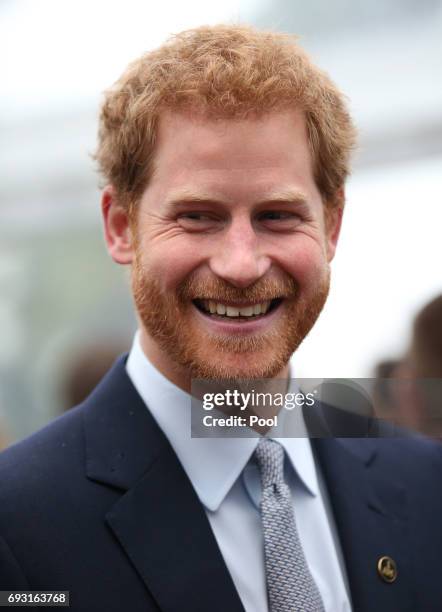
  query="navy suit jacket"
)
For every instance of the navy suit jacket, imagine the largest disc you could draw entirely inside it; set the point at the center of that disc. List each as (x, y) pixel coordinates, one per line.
(97, 503)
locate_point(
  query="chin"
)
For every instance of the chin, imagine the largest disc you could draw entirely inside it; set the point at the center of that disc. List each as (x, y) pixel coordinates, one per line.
(238, 366)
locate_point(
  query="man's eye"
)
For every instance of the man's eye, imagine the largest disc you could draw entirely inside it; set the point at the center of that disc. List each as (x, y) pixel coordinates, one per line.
(279, 219)
(277, 216)
(197, 221)
(196, 216)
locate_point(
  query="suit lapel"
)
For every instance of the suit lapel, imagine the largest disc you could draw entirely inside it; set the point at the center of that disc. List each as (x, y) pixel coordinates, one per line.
(370, 513)
(159, 521)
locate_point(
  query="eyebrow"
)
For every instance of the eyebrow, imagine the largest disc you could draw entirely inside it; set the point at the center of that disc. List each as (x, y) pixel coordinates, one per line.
(288, 195)
(187, 197)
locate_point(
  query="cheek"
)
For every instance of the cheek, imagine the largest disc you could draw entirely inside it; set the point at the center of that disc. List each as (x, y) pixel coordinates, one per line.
(171, 264)
(305, 261)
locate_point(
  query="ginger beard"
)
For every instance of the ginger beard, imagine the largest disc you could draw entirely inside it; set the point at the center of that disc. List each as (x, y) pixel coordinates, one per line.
(171, 321)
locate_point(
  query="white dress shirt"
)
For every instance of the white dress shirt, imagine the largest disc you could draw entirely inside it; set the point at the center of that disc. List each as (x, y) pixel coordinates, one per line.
(227, 483)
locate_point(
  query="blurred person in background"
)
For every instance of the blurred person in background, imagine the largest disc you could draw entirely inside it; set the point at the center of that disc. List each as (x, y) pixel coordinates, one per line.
(85, 368)
(384, 398)
(225, 154)
(418, 387)
(4, 435)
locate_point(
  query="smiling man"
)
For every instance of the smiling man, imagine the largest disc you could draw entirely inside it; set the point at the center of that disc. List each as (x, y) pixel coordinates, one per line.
(228, 243)
(225, 154)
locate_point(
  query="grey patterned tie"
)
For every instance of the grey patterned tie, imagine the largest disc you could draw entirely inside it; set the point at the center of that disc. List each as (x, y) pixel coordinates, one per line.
(290, 585)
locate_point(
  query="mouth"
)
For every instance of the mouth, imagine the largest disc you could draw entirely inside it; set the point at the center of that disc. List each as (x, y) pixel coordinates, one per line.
(235, 311)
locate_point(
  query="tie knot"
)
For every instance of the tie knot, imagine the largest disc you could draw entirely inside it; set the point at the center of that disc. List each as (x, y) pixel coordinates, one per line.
(270, 459)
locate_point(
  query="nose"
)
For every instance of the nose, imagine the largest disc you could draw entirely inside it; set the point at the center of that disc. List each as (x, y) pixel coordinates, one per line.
(238, 258)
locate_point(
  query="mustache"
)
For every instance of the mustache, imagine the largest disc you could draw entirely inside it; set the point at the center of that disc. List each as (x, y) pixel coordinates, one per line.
(220, 291)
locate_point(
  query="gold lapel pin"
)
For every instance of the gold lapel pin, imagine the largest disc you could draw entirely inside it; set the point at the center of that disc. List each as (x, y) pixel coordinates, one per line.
(387, 569)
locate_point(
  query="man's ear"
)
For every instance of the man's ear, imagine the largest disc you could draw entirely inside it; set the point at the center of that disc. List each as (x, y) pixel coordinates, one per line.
(333, 223)
(117, 229)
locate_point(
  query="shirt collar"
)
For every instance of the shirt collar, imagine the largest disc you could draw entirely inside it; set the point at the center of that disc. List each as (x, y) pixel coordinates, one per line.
(212, 464)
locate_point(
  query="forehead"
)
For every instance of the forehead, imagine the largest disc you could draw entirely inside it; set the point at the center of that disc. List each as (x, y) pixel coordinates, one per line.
(266, 151)
(207, 138)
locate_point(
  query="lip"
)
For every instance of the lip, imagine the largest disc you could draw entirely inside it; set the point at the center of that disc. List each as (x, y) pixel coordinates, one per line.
(237, 327)
(237, 304)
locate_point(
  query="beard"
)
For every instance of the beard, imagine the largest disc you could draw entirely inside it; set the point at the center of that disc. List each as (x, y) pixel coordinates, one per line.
(170, 320)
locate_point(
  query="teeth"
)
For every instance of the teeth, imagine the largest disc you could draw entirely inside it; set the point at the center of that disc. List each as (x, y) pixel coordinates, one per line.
(220, 309)
(234, 311)
(246, 312)
(265, 307)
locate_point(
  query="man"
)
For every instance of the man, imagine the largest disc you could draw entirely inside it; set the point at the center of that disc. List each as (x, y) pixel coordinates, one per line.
(225, 154)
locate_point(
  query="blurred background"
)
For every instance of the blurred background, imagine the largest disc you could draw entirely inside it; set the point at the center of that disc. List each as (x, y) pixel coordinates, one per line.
(65, 307)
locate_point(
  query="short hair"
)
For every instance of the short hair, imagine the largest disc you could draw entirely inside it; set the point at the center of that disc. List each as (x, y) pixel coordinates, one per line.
(221, 71)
